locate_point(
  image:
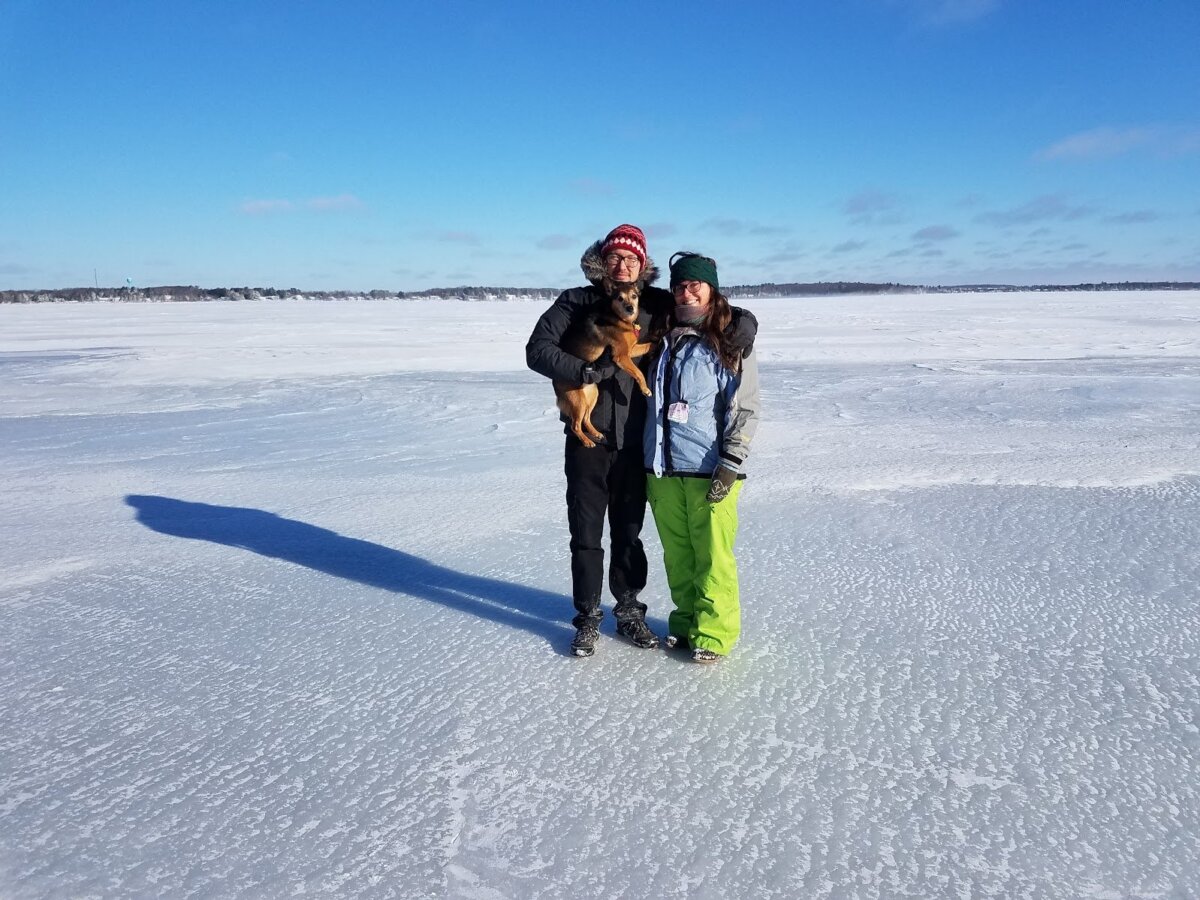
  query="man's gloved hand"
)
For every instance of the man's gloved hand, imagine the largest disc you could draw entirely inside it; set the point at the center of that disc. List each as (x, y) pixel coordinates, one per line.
(742, 329)
(594, 373)
(722, 481)
(602, 368)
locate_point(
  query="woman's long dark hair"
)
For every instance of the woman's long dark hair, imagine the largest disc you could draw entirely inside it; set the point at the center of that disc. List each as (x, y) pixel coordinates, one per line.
(716, 325)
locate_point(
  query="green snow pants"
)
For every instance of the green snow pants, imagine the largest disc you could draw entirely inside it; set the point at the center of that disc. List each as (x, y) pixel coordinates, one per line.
(697, 538)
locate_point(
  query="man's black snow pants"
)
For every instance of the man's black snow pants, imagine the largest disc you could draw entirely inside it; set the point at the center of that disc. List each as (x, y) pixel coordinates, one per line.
(601, 480)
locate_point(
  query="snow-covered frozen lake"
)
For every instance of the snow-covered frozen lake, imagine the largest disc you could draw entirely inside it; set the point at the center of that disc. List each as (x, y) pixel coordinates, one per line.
(284, 612)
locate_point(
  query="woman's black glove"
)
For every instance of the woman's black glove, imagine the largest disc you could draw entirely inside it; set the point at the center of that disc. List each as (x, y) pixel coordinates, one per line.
(722, 481)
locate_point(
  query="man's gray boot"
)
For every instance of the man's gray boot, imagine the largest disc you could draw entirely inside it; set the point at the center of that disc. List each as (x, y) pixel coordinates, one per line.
(638, 633)
(586, 635)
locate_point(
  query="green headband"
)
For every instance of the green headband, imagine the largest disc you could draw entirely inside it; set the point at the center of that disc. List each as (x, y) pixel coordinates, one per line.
(694, 268)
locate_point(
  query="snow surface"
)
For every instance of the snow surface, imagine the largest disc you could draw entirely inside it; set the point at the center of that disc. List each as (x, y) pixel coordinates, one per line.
(284, 612)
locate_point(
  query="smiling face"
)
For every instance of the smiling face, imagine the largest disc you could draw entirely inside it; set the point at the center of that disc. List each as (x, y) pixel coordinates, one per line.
(622, 266)
(693, 295)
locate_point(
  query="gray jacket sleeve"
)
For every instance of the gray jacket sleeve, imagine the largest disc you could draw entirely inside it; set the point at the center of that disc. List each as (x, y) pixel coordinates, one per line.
(742, 420)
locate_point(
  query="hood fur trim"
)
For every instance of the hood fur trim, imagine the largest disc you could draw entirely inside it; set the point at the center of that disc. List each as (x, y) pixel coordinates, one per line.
(592, 264)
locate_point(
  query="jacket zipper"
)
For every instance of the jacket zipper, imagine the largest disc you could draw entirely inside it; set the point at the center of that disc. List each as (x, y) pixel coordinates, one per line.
(668, 465)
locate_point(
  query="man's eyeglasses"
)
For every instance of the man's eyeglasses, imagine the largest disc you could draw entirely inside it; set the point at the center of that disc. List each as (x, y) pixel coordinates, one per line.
(614, 261)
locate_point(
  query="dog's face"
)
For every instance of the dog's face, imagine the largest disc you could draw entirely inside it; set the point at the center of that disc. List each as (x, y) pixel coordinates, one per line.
(625, 301)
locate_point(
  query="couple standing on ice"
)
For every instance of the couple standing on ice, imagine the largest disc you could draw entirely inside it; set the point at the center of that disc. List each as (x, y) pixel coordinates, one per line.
(682, 448)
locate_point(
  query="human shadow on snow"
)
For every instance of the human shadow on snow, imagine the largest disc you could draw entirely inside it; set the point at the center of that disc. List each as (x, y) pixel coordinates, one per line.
(267, 534)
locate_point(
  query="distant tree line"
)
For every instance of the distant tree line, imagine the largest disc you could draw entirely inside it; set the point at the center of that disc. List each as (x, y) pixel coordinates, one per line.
(817, 289)
(191, 294)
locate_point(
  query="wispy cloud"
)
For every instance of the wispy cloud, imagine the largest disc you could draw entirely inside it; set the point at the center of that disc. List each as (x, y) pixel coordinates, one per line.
(458, 237)
(736, 227)
(874, 207)
(1050, 207)
(591, 187)
(1099, 143)
(660, 230)
(747, 123)
(340, 203)
(869, 201)
(1108, 142)
(415, 274)
(782, 256)
(14, 269)
(557, 242)
(1136, 217)
(787, 252)
(941, 13)
(264, 207)
(726, 227)
(935, 233)
(849, 246)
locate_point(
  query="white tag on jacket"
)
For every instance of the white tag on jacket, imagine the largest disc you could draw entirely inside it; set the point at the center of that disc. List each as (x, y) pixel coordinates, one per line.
(678, 412)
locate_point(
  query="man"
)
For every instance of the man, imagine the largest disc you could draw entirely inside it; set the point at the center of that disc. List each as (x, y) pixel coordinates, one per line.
(611, 476)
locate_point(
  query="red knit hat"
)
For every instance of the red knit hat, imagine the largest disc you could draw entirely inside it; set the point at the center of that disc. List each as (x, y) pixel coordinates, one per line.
(626, 237)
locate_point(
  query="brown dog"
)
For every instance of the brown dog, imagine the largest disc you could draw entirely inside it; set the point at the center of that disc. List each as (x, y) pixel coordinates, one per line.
(610, 324)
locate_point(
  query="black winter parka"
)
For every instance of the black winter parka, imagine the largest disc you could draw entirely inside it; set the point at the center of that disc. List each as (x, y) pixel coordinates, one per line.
(620, 413)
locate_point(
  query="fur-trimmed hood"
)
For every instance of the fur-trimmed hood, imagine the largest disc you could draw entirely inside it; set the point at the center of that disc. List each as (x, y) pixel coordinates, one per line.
(592, 264)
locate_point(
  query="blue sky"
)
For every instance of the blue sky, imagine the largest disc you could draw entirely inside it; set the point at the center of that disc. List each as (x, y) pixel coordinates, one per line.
(410, 145)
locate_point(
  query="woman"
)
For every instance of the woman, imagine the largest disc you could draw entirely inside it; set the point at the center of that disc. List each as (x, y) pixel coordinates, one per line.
(702, 413)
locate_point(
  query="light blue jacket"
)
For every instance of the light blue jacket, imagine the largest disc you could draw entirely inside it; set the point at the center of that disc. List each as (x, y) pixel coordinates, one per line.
(699, 414)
